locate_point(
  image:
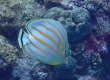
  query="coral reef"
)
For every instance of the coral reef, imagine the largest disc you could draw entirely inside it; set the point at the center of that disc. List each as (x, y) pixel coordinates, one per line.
(95, 60)
(106, 7)
(7, 51)
(5, 70)
(88, 25)
(93, 6)
(7, 58)
(16, 12)
(97, 1)
(25, 68)
(77, 21)
(81, 19)
(53, 13)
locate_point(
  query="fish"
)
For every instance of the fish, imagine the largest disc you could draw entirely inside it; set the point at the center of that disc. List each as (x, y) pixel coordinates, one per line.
(44, 40)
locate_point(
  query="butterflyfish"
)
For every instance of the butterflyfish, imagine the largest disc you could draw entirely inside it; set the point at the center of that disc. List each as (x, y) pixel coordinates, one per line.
(45, 40)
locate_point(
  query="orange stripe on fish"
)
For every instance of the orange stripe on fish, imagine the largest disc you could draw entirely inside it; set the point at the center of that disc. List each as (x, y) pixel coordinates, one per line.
(40, 48)
(49, 37)
(52, 32)
(35, 52)
(26, 52)
(58, 30)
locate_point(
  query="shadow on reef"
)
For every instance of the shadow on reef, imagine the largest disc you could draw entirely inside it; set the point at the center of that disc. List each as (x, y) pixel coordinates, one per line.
(106, 60)
(5, 73)
(48, 3)
(11, 33)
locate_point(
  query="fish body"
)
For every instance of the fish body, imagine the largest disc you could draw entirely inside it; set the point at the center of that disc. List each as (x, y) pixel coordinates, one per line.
(45, 40)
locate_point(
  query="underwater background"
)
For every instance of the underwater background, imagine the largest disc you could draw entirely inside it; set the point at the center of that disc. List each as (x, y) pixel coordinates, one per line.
(87, 23)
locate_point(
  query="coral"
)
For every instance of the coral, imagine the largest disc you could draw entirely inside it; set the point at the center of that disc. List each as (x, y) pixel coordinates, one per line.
(5, 70)
(66, 70)
(17, 12)
(24, 65)
(26, 68)
(95, 60)
(97, 1)
(8, 5)
(7, 51)
(38, 75)
(106, 7)
(87, 77)
(7, 58)
(53, 13)
(82, 25)
(88, 25)
(77, 21)
(82, 64)
(92, 7)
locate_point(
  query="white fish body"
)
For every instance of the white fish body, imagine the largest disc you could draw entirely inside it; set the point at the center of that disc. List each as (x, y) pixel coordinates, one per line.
(46, 41)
